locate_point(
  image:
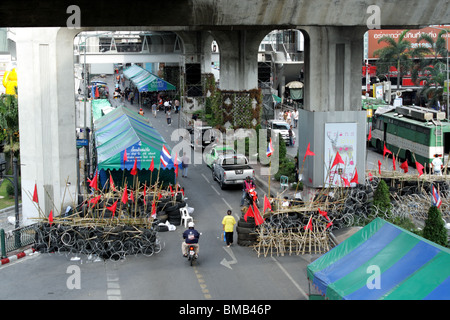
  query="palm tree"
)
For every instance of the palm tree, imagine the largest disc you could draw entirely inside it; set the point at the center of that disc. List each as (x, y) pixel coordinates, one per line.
(433, 78)
(396, 54)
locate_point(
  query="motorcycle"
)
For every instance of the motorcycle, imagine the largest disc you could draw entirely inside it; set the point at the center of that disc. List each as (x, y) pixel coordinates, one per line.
(192, 256)
(252, 197)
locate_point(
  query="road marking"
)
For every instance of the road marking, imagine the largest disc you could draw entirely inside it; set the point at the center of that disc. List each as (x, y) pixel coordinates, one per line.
(112, 278)
(205, 178)
(290, 278)
(218, 193)
(227, 203)
(227, 263)
(201, 283)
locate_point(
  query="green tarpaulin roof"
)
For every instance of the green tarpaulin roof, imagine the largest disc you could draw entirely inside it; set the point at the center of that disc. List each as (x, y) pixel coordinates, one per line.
(408, 267)
(123, 129)
(97, 106)
(146, 81)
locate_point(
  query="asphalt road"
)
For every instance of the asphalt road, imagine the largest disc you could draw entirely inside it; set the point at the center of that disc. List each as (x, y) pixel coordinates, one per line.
(234, 273)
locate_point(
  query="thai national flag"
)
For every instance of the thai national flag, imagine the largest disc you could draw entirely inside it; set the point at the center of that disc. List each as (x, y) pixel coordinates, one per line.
(165, 156)
(269, 148)
(435, 198)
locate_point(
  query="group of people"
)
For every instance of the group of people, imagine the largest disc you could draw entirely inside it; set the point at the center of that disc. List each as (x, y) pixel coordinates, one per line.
(291, 117)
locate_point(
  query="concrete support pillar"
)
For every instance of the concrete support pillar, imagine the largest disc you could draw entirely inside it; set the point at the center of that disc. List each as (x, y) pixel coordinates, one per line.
(239, 58)
(47, 119)
(331, 119)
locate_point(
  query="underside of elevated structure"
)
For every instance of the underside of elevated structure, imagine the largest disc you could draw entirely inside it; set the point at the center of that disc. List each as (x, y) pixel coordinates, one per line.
(333, 56)
(229, 14)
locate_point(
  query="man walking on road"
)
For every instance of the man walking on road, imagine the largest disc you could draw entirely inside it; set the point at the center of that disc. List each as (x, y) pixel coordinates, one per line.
(228, 223)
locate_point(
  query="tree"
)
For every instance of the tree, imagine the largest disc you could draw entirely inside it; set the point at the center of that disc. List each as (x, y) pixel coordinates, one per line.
(434, 81)
(9, 123)
(434, 229)
(396, 54)
(381, 199)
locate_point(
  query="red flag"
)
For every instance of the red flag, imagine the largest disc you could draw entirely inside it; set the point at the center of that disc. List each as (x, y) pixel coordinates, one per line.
(329, 224)
(152, 166)
(125, 195)
(134, 170)
(111, 183)
(113, 208)
(385, 150)
(95, 200)
(97, 94)
(370, 176)
(175, 164)
(125, 158)
(153, 209)
(308, 226)
(324, 214)
(419, 168)
(50, 217)
(393, 163)
(346, 183)
(404, 166)
(308, 152)
(35, 195)
(379, 166)
(337, 160)
(266, 204)
(355, 177)
(93, 183)
(258, 219)
(131, 195)
(369, 137)
(145, 191)
(249, 213)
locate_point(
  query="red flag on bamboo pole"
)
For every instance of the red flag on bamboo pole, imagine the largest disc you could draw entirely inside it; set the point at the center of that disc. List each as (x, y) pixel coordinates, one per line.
(50, 217)
(111, 183)
(134, 170)
(113, 208)
(125, 158)
(419, 168)
(355, 177)
(93, 183)
(385, 150)
(308, 152)
(35, 194)
(404, 166)
(308, 226)
(379, 166)
(152, 166)
(337, 160)
(249, 213)
(125, 195)
(266, 204)
(258, 219)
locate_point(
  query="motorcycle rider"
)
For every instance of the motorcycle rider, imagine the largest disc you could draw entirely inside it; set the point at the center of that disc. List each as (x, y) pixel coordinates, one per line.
(191, 237)
(246, 186)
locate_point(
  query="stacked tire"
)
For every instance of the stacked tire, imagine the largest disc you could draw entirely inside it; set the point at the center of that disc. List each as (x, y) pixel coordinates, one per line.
(246, 234)
(168, 210)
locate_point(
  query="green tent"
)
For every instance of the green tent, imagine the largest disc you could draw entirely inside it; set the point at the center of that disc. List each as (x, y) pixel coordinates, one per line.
(100, 107)
(383, 261)
(146, 81)
(123, 137)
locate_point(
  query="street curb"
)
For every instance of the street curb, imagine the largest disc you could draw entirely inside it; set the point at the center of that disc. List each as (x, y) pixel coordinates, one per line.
(17, 256)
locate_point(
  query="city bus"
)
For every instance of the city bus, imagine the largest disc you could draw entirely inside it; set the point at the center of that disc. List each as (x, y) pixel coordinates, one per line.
(412, 134)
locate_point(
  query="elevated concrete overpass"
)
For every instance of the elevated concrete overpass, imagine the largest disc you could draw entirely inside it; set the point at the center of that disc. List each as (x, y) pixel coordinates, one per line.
(333, 32)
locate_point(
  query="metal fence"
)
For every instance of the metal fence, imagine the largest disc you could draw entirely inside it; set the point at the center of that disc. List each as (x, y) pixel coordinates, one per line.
(16, 239)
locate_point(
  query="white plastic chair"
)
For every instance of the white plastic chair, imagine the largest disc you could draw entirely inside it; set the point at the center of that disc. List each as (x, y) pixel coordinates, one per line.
(185, 216)
(284, 182)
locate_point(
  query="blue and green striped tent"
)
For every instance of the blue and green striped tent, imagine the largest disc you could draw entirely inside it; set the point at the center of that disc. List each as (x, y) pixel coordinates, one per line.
(409, 267)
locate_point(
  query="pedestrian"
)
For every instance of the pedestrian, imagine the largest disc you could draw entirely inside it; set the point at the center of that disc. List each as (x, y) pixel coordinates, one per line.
(291, 137)
(184, 165)
(154, 109)
(131, 97)
(228, 223)
(437, 165)
(168, 117)
(295, 118)
(141, 112)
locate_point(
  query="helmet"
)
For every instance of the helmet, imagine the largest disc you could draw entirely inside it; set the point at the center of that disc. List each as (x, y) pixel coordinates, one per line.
(191, 225)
